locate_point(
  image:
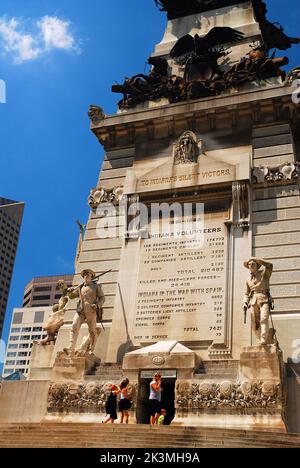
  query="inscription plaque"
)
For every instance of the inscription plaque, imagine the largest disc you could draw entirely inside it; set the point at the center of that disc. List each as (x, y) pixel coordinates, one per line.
(182, 286)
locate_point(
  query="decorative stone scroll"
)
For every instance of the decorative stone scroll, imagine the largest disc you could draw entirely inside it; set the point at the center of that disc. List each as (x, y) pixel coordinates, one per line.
(227, 394)
(288, 171)
(240, 196)
(100, 195)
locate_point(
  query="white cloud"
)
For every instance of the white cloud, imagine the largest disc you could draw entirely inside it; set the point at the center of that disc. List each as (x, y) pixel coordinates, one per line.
(22, 46)
(56, 34)
(48, 33)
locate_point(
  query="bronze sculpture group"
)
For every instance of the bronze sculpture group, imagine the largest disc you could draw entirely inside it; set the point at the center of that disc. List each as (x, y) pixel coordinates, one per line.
(203, 74)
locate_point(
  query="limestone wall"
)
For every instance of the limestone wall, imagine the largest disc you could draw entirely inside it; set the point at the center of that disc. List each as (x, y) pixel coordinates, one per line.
(104, 254)
(276, 237)
(101, 254)
(276, 229)
(24, 401)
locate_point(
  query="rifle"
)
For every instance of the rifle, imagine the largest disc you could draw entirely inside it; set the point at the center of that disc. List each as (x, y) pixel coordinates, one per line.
(95, 280)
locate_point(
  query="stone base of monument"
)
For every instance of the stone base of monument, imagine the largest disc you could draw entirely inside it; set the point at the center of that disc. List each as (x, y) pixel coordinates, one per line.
(244, 394)
(40, 366)
(73, 368)
(254, 400)
(261, 363)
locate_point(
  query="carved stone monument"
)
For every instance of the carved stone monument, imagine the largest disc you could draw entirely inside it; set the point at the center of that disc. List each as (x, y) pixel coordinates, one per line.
(258, 297)
(89, 310)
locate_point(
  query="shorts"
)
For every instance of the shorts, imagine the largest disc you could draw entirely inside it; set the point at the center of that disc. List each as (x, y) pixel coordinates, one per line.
(155, 407)
(124, 404)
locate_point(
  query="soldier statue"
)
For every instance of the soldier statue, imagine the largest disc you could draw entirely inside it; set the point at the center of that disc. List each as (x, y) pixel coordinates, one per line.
(258, 299)
(89, 310)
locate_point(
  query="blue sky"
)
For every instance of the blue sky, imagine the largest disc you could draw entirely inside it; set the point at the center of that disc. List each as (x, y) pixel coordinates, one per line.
(49, 159)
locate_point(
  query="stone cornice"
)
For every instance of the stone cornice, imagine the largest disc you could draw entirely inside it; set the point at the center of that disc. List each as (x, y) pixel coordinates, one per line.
(276, 100)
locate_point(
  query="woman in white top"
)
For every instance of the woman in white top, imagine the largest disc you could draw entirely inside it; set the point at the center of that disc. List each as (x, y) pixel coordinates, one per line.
(155, 398)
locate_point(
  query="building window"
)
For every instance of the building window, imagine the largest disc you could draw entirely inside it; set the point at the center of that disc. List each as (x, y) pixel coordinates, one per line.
(11, 354)
(16, 330)
(37, 329)
(10, 363)
(26, 330)
(42, 289)
(39, 317)
(8, 371)
(36, 337)
(18, 317)
(12, 346)
(41, 298)
(27, 294)
(25, 337)
(22, 354)
(14, 338)
(24, 346)
(20, 363)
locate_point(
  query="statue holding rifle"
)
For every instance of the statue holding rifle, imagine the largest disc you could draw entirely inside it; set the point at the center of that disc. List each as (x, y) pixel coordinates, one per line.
(89, 310)
(258, 298)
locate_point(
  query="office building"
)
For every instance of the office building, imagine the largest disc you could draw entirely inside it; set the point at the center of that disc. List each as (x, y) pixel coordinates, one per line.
(43, 291)
(11, 214)
(26, 327)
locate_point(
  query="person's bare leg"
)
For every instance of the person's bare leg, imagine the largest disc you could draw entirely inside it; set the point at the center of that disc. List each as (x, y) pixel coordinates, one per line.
(122, 417)
(126, 417)
(152, 420)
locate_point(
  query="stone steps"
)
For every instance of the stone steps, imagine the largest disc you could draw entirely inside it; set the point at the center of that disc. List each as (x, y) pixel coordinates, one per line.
(107, 372)
(64, 435)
